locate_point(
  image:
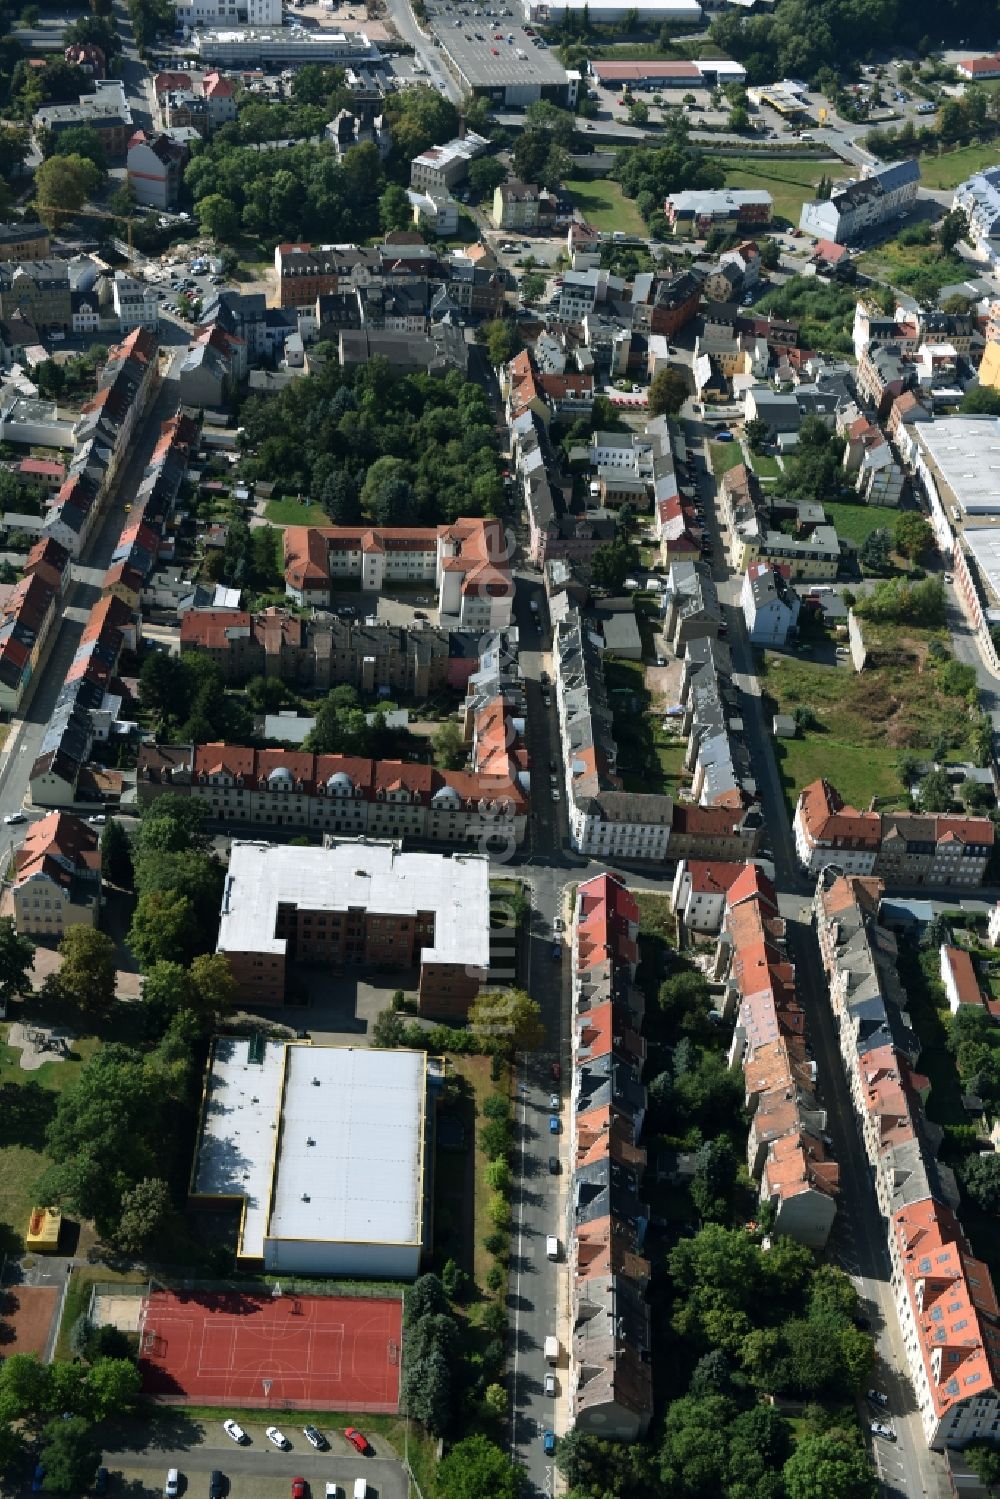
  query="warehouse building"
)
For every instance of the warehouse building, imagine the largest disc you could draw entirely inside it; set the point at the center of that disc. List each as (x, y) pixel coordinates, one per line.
(511, 70)
(325, 1149)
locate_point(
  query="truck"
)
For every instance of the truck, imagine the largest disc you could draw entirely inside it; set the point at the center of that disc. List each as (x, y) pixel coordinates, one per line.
(551, 1349)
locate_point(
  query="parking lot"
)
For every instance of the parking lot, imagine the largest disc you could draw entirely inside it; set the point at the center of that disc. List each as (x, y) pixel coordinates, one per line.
(491, 47)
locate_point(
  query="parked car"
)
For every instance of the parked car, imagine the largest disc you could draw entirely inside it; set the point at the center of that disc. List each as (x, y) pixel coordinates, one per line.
(217, 1484)
(13, 817)
(553, 1165)
(358, 1441)
(278, 1438)
(550, 1384)
(549, 1443)
(553, 1124)
(555, 1072)
(878, 1397)
(555, 952)
(101, 1481)
(38, 1478)
(315, 1438)
(558, 925)
(299, 1488)
(172, 1486)
(235, 1430)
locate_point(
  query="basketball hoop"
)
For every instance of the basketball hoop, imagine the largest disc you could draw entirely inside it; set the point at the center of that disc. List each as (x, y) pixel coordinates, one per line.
(267, 1383)
(276, 1289)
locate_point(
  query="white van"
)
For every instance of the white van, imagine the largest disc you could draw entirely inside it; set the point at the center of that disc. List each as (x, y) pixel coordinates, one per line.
(552, 1247)
(361, 1488)
(551, 1350)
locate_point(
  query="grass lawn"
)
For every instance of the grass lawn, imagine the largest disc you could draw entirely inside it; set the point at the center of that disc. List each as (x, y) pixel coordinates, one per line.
(953, 167)
(903, 265)
(790, 183)
(295, 513)
(724, 456)
(857, 522)
(27, 1103)
(655, 915)
(603, 205)
(649, 759)
(867, 722)
(766, 467)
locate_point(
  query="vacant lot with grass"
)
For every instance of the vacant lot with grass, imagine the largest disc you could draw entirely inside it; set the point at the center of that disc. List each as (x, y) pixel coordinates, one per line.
(865, 723)
(857, 522)
(947, 171)
(604, 205)
(295, 513)
(649, 758)
(790, 183)
(919, 266)
(27, 1103)
(724, 455)
(764, 466)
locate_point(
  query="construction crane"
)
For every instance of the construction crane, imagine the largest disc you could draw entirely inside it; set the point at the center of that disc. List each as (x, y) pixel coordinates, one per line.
(93, 213)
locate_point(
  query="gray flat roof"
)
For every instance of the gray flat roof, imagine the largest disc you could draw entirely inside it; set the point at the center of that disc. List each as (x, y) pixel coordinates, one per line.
(966, 452)
(475, 59)
(350, 1158)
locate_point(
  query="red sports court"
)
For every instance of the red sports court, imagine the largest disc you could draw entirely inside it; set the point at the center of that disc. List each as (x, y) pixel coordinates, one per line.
(260, 1349)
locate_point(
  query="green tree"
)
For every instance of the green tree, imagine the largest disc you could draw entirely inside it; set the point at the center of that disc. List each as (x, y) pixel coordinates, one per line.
(875, 554)
(217, 217)
(394, 210)
(70, 1456)
(981, 1181)
(25, 1384)
(62, 185)
(82, 140)
(502, 341)
(476, 1468)
(116, 855)
(88, 974)
(448, 743)
(387, 1031)
(611, 565)
(11, 1448)
(984, 1460)
(17, 954)
(485, 176)
(980, 400)
(145, 1211)
(935, 792)
(532, 287)
(912, 535)
(162, 926)
(831, 1465)
(668, 391)
(953, 227)
(756, 433)
(214, 985)
(509, 1017)
(112, 1386)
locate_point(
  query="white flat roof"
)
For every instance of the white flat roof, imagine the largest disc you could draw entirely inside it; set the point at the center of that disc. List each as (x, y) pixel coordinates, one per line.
(371, 875)
(239, 1131)
(361, 1178)
(966, 452)
(324, 1143)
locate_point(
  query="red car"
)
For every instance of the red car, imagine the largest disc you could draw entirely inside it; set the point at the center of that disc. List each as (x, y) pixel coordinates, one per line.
(556, 1071)
(299, 1488)
(357, 1440)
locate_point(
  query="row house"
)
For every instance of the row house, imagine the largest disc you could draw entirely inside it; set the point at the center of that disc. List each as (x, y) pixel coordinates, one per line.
(699, 892)
(691, 609)
(879, 480)
(716, 755)
(610, 1376)
(26, 621)
(901, 848)
(468, 562)
(944, 1298)
(342, 795)
(57, 877)
(142, 541)
(558, 526)
(36, 291)
(321, 653)
(883, 373)
(787, 1144)
(87, 705)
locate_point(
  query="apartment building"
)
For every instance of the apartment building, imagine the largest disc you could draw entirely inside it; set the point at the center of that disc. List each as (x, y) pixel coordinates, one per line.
(867, 454)
(26, 621)
(787, 1145)
(610, 1378)
(467, 562)
(57, 877)
(441, 168)
(306, 272)
(695, 212)
(854, 208)
(979, 199)
(699, 891)
(352, 903)
(770, 604)
(154, 166)
(324, 653)
(958, 975)
(37, 291)
(343, 795)
(24, 241)
(754, 522)
(900, 848)
(944, 1297)
(106, 110)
